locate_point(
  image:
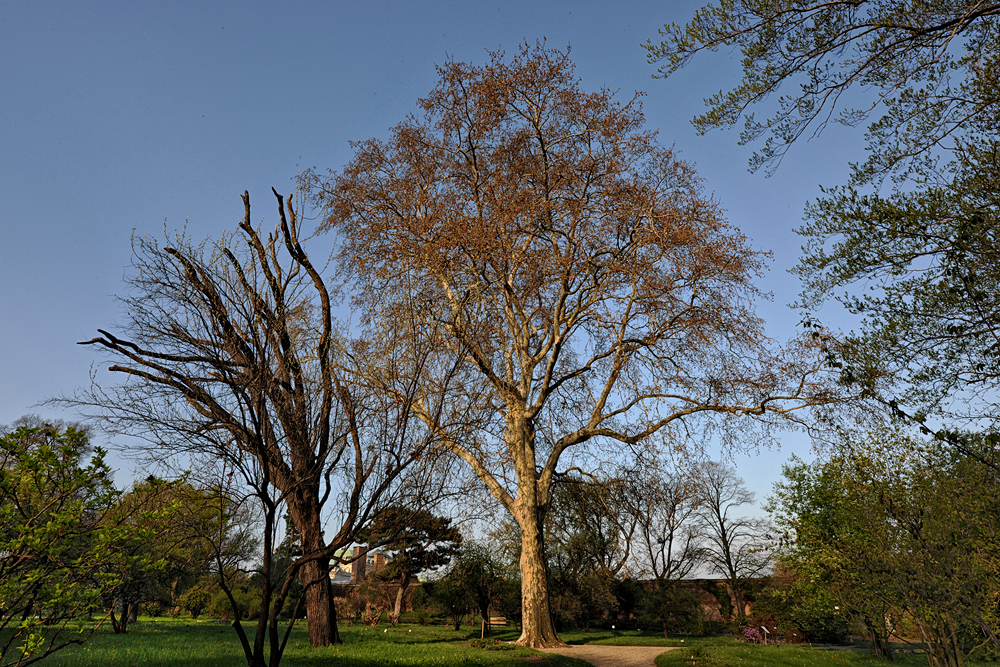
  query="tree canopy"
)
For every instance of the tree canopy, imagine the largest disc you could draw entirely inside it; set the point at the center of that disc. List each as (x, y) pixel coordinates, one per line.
(919, 263)
(62, 543)
(596, 299)
(930, 260)
(417, 540)
(928, 71)
(902, 533)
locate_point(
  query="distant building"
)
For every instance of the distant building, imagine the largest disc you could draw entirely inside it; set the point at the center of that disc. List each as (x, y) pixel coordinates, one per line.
(360, 566)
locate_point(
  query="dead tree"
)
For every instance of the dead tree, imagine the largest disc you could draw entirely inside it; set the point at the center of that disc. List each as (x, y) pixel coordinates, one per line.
(231, 353)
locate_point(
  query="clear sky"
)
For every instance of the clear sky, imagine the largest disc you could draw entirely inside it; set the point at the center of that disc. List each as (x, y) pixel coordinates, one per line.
(117, 118)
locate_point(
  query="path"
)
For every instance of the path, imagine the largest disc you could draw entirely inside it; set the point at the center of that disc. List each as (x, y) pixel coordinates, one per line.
(613, 656)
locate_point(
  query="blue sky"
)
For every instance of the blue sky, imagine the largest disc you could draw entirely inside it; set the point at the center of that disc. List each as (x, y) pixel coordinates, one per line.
(121, 118)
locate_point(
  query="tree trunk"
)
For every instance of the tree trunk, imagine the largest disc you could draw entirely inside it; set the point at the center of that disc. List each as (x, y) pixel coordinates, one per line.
(537, 629)
(739, 601)
(321, 614)
(877, 637)
(484, 616)
(404, 582)
(119, 624)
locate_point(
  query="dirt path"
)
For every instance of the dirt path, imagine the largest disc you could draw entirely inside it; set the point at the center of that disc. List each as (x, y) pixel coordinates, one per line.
(613, 656)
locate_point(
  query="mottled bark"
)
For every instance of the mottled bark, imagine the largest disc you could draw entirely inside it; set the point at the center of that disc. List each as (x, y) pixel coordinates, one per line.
(538, 630)
(537, 234)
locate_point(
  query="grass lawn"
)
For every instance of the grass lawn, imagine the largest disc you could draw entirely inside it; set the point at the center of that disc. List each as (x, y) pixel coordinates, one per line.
(166, 642)
(728, 652)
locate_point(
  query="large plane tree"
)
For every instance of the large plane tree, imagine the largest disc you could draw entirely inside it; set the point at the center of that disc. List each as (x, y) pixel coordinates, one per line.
(599, 300)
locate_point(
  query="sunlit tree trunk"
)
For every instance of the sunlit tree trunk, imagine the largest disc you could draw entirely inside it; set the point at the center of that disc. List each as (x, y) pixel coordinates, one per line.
(538, 630)
(404, 583)
(529, 512)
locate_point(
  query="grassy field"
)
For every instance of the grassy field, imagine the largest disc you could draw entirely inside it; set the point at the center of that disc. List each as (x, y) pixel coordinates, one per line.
(187, 643)
(728, 652)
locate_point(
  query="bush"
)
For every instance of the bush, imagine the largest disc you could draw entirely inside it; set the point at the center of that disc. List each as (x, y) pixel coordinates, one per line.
(155, 609)
(488, 644)
(801, 609)
(714, 628)
(419, 600)
(195, 600)
(671, 607)
(247, 604)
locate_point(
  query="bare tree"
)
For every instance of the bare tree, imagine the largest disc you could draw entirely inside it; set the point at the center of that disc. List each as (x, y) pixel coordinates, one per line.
(667, 544)
(230, 353)
(594, 517)
(734, 546)
(598, 300)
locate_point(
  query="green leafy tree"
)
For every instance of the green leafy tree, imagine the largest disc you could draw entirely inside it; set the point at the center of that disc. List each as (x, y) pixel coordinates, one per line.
(195, 599)
(919, 264)
(671, 605)
(59, 550)
(930, 69)
(932, 313)
(835, 529)
(801, 604)
(451, 597)
(149, 509)
(178, 523)
(417, 541)
(902, 533)
(476, 580)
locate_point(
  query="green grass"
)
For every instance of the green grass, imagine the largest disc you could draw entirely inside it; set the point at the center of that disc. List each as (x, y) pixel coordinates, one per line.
(728, 652)
(205, 643)
(187, 643)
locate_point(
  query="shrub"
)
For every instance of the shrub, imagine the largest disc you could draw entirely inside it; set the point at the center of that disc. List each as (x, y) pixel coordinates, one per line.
(371, 616)
(488, 644)
(194, 600)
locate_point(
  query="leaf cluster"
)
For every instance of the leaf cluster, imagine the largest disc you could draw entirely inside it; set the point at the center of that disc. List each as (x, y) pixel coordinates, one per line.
(896, 528)
(925, 73)
(60, 545)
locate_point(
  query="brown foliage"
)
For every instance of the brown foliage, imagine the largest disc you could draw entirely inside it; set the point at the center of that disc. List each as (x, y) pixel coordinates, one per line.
(594, 295)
